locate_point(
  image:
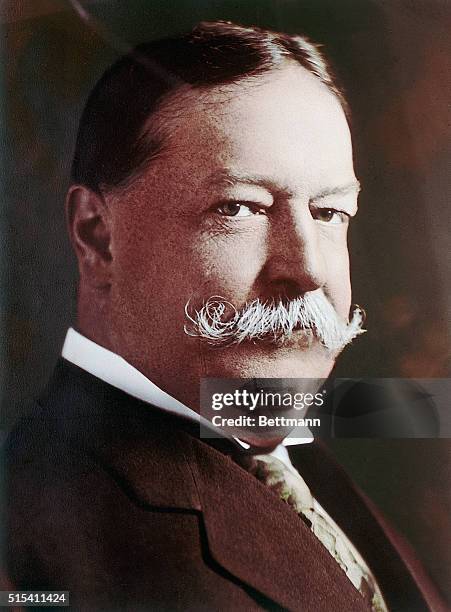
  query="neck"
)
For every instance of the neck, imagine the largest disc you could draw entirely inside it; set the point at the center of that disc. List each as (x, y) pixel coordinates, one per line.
(93, 318)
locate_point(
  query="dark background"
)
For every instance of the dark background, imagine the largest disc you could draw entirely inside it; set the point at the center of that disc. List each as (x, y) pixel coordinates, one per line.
(394, 58)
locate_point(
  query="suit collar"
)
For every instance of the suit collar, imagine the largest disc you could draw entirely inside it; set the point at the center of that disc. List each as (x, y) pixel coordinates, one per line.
(133, 441)
(114, 370)
(147, 467)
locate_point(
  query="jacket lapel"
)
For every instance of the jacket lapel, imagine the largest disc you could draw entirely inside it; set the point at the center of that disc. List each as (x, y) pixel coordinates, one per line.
(252, 534)
(261, 541)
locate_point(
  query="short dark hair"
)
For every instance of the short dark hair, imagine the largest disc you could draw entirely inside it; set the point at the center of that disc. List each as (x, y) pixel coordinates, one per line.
(112, 146)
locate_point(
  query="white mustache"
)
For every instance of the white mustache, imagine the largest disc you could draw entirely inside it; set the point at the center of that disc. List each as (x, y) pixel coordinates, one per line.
(219, 323)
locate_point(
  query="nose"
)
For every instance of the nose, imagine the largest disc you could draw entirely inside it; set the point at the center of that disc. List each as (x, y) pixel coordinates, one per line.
(295, 263)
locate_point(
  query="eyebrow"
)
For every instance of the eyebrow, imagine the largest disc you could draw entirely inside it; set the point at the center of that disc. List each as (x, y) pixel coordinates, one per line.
(233, 178)
(341, 190)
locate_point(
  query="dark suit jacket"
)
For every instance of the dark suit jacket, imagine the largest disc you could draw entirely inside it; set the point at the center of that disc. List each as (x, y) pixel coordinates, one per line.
(125, 507)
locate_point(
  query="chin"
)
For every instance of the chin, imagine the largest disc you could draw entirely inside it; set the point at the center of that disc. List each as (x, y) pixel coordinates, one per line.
(263, 361)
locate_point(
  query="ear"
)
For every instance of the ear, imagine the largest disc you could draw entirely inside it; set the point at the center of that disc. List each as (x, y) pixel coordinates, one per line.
(88, 222)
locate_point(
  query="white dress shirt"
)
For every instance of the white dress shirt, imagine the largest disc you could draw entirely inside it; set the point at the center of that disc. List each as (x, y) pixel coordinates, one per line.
(114, 370)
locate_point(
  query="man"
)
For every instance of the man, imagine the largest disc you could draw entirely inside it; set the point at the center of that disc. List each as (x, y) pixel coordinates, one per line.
(212, 188)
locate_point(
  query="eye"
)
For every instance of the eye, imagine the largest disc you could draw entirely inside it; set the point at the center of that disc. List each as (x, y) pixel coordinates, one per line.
(238, 209)
(329, 215)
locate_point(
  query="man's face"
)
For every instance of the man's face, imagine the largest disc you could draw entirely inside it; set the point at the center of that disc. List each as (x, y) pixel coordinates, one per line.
(250, 200)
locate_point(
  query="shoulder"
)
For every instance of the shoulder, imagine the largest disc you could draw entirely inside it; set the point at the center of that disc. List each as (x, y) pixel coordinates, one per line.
(97, 489)
(103, 501)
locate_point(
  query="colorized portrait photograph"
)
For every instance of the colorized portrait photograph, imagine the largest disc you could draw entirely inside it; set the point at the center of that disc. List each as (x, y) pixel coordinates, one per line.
(225, 305)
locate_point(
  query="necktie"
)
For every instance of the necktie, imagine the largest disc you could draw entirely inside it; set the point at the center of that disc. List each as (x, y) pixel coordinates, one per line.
(291, 488)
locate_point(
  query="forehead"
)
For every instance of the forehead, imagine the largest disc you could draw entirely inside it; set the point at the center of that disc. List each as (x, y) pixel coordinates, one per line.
(285, 126)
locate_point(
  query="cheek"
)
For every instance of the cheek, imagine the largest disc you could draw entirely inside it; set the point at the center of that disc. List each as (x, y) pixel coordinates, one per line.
(152, 272)
(159, 272)
(229, 265)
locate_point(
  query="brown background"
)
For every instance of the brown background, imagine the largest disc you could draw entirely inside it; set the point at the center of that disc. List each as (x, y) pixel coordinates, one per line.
(394, 59)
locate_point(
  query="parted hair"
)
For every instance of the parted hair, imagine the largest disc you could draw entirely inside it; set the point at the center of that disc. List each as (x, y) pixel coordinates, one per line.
(114, 142)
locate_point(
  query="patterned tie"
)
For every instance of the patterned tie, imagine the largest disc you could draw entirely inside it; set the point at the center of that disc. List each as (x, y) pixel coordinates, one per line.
(291, 488)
